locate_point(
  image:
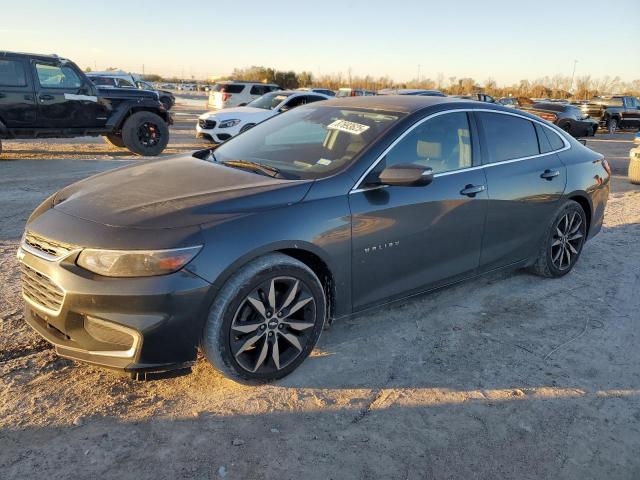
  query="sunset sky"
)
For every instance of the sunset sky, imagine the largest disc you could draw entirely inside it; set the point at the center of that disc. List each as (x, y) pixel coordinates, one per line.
(498, 39)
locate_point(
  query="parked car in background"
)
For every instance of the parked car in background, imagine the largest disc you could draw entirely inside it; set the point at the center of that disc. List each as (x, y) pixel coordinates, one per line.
(187, 87)
(508, 101)
(411, 91)
(127, 80)
(614, 112)
(568, 117)
(221, 125)
(45, 96)
(480, 97)
(324, 91)
(235, 93)
(354, 92)
(329, 210)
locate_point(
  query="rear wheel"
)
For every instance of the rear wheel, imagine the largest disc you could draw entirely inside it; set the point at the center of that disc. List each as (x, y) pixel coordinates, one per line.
(266, 319)
(612, 125)
(145, 133)
(115, 140)
(563, 241)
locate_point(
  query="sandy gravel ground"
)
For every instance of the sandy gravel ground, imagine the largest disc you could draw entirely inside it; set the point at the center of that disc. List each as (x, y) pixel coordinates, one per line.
(510, 376)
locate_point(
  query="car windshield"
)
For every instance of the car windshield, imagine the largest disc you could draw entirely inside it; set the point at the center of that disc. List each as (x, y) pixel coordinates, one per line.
(309, 142)
(268, 101)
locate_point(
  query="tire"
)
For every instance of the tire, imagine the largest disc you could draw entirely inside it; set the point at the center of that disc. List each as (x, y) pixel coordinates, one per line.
(232, 308)
(594, 130)
(247, 127)
(115, 140)
(145, 133)
(634, 171)
(551, 260)
(566, 127)
(0, 147)
(612, 125)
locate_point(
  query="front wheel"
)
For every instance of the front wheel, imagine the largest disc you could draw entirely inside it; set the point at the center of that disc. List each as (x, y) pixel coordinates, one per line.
(563, 241)
(612, 125)
(266, 320)
(145, 133)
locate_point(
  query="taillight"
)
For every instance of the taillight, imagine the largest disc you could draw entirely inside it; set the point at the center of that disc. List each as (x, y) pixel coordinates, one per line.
(226, 96)
(550, 117)
(606, 166)
(353, 93)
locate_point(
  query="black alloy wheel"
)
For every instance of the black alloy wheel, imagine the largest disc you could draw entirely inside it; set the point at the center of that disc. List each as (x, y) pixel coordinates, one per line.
(272, 324)
(567, 240)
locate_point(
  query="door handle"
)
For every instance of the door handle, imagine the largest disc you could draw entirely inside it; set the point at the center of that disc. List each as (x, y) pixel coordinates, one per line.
(550, 174)
(46, 97)
(472, 190)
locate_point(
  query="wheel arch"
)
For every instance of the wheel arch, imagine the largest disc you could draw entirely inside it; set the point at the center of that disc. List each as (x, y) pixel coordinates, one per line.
(585, 202)
(308, 253)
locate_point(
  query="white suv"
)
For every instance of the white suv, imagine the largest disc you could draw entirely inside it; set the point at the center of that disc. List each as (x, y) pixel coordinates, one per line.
(237, 94)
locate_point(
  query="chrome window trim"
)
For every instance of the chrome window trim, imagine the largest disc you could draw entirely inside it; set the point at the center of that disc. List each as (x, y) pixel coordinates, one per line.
(357, 189)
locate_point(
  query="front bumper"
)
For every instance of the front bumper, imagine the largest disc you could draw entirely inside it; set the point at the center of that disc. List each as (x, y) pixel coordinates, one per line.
(217, 135)
(149, 324)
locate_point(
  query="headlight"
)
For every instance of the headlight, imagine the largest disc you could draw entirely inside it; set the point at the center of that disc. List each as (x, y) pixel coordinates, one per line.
(229, 123)
(136, 263)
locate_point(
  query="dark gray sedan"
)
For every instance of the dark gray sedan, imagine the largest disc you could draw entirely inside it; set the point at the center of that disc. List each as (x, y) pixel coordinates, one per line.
(330, 209)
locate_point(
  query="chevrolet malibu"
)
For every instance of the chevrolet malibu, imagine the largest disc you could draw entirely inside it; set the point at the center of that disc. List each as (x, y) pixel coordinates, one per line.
(246, 250)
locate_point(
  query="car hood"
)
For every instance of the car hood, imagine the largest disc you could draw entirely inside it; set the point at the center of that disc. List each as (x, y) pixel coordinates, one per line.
(177, 192)
(109, 92)
(241, 113)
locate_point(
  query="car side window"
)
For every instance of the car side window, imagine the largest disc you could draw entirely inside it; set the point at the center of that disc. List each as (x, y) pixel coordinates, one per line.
(57, 76)
(554, 139)
(508, 137)
(258, 90)
(12, 74)
(296, 102)
(442, 143)
(125, 83)
(543, 140)
(314, 98)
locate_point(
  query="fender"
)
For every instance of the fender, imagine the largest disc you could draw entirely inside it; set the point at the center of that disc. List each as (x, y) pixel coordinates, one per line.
(339, 293)
(123, 110)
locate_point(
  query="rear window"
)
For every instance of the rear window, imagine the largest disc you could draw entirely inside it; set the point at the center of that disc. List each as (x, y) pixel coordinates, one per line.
(12, 74)
(508, 137)
(228, 87)
(554, 139)
(103, 81)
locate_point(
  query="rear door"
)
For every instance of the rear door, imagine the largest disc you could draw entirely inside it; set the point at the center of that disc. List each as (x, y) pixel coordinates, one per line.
(64, 99)
(631, 115)
(525, 181)
(17, 99)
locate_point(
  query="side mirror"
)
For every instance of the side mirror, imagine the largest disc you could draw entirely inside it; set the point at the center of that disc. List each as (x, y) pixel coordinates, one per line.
(284, 108)
(583, 141)
(406, 175)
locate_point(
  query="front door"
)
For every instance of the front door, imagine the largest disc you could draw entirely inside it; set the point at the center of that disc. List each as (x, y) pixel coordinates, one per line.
(65, 99)
(17, 99)
(409, 239)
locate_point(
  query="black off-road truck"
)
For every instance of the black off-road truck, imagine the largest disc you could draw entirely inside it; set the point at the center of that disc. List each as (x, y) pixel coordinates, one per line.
(45, 96)
(614, 112)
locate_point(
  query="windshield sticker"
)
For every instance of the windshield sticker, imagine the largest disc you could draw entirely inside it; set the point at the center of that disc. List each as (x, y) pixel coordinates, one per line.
(349, 127)
(324, 161)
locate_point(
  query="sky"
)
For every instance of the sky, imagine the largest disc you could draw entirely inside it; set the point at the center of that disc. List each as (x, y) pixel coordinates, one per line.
(503, 40)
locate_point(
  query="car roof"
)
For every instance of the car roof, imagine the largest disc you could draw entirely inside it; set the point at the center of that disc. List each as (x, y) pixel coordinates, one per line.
(52, 56)
(406, 103)
(245, 82)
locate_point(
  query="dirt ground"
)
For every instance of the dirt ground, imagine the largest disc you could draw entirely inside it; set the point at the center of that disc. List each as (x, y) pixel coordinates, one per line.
(509, 376)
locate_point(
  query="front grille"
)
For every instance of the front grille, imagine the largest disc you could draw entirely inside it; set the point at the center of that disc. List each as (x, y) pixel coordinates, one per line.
(49, 247)
(207, 124)
(41, 290)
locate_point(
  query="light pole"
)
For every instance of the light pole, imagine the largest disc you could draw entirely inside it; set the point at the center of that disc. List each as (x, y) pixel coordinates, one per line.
(573, 74)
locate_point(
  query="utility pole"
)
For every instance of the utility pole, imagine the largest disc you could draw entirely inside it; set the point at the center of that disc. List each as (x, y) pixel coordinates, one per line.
(573, 74)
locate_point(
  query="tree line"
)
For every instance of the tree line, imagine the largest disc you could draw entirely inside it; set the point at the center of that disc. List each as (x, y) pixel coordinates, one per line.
(557, 86)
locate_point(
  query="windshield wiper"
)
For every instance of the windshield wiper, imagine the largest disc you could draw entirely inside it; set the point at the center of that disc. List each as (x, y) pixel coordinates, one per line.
(253, 166)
